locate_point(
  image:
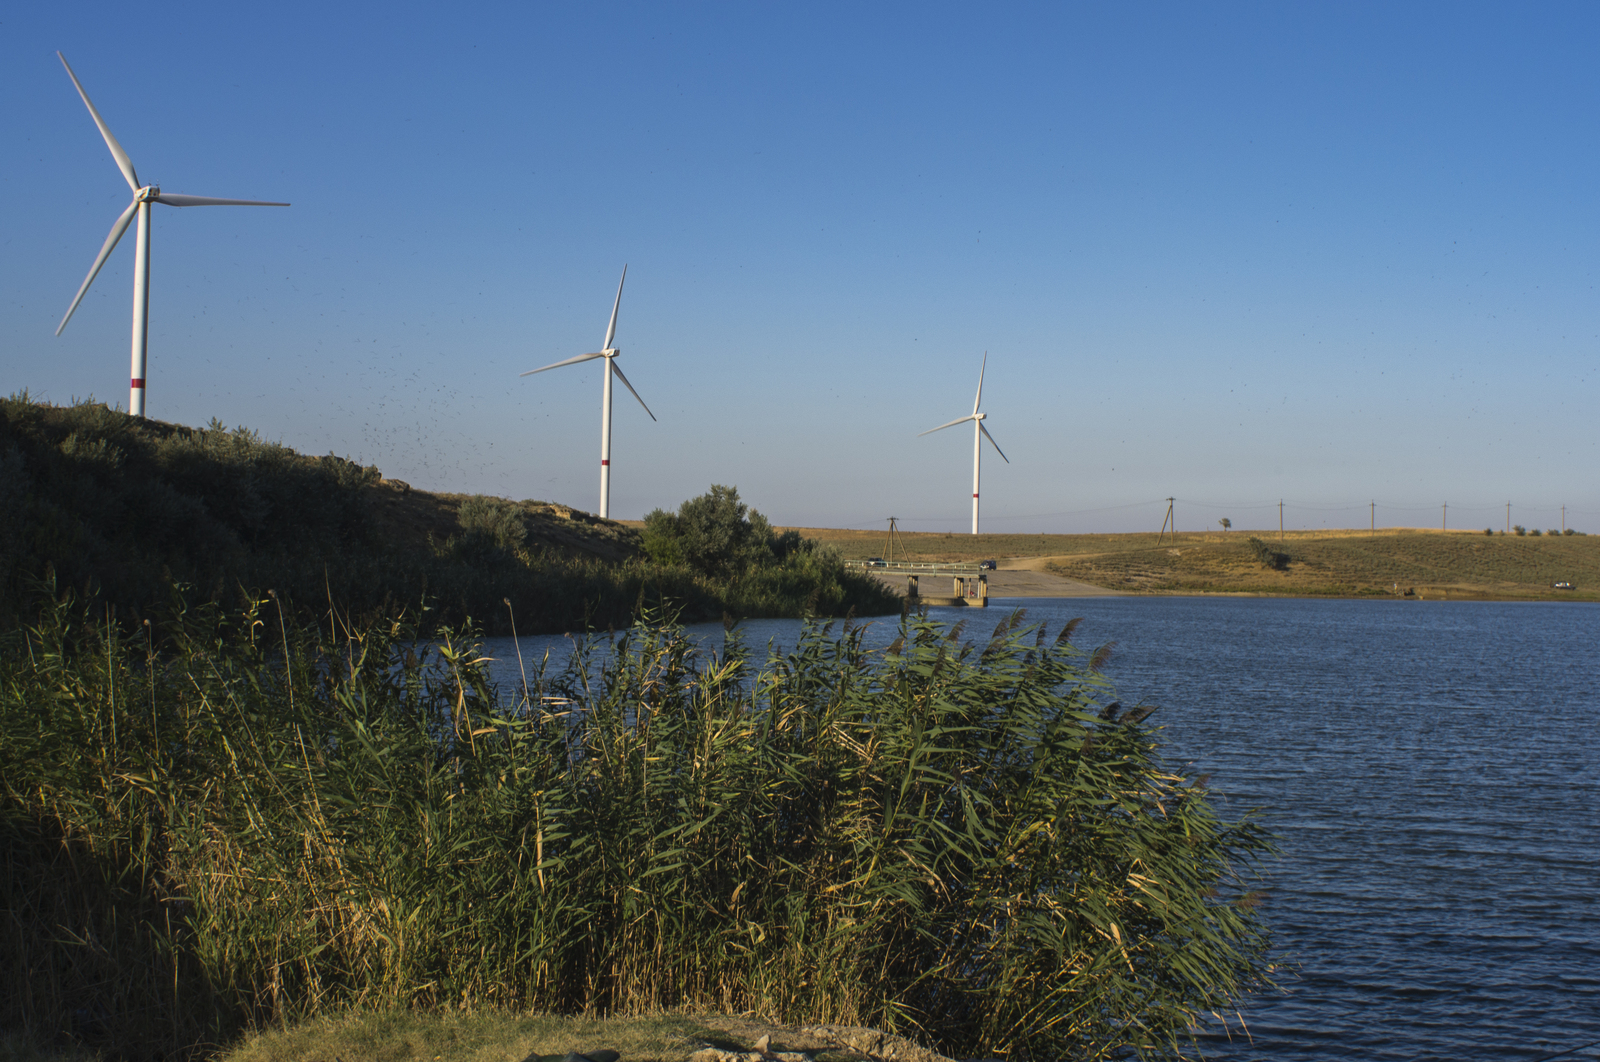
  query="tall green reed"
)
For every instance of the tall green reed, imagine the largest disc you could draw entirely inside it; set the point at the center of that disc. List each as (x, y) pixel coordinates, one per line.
(225, 820)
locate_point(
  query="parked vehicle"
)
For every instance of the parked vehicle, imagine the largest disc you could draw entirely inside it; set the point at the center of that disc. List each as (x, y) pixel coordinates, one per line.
(1561, 586)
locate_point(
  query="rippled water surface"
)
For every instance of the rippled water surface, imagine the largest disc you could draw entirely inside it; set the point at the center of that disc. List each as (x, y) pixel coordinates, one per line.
(1432, 770)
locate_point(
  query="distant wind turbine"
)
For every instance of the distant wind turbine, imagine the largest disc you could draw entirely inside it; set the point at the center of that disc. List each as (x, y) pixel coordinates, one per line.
(978, 435)
(608, 352)
(143, 196)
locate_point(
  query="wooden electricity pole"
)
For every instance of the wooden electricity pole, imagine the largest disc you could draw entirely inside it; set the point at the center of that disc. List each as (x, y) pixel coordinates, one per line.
(1165, 520)
(894, 535)
(1444, 518)
(1373, 516)
(1563, 519)
(1280, 519)
(1508, 518)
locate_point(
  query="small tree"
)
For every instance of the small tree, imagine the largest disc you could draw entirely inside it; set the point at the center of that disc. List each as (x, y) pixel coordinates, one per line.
(715, 534)
(1226, 523)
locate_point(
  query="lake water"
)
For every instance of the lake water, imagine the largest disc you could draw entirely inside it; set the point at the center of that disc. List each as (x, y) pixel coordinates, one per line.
(1432, 771)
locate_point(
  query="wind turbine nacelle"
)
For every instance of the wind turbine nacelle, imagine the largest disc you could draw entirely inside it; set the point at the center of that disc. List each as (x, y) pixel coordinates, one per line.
(611, 352)
(149, 193)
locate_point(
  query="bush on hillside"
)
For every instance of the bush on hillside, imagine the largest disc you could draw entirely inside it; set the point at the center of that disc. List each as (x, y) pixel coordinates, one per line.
(1271, 558)
(492, 528)
(716, 534)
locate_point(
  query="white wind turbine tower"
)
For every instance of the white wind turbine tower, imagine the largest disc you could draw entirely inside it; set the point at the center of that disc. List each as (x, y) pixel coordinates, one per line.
(979, 433)
(608, 352)
(143, 196)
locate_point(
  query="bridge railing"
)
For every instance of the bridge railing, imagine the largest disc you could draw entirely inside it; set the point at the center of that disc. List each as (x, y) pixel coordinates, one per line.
(920, 568)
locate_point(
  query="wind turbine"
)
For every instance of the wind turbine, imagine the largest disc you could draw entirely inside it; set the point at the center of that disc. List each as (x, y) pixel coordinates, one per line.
(143, 196)
(608, 352)
(979, 433)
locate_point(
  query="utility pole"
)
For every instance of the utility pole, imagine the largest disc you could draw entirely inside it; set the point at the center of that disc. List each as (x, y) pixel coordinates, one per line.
(1165, 520)
(1563, 519)
(1374, 516)
(1444, 518)
(888, 547)
(1280, 519)
(1508, 518)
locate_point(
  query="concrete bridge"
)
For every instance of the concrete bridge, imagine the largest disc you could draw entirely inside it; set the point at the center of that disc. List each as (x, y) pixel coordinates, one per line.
(969, 583)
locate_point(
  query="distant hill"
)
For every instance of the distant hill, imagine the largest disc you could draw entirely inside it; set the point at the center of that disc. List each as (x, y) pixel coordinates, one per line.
(104, 504)
(1342, 563)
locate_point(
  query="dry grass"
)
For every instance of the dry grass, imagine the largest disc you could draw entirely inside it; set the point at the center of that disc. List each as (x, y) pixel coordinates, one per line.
(1427, 564)
(1322, 563)
(466, 1037)
(429, 1036)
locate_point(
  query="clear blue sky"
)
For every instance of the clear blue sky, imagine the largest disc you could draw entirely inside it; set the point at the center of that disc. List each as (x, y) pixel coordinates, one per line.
(1231, 252)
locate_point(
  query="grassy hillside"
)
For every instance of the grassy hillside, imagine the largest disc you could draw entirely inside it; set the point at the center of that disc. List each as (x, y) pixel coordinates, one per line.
(97, 502)
(1332, 563)
(1426, 563)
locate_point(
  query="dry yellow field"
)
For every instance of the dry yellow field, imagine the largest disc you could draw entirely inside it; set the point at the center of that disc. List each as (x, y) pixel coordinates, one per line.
(1357, 563)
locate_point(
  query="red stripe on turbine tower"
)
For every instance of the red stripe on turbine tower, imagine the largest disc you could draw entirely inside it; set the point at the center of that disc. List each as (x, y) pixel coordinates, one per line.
(136, 382)
(603, 461)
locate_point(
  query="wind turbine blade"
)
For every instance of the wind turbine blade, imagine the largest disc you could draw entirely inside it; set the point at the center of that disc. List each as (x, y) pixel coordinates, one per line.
(124, 163)
(611, 329)
(942, 427)
(201, 200)
(979, 399)
(569, 361)
(117, 229)
(996, 445)
(618, 370)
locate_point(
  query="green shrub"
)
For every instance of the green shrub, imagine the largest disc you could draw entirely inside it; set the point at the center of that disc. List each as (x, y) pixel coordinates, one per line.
(498, 520)
(1519, 529)
(492, 528)
(1266, 555)
(715, 534)
(661, 538)
(1535, 532)
(963, 839)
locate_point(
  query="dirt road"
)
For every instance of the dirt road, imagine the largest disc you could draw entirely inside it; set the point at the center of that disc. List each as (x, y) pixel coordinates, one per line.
(1016, 577)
